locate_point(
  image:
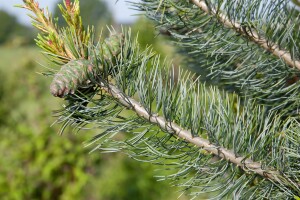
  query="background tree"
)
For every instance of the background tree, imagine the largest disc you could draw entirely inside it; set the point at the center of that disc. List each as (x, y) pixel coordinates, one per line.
(7, 26)
(11, 30)
(238, 145)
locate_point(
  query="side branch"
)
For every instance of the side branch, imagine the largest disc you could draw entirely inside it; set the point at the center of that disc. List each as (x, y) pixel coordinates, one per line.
(253, 35)
(248, 165)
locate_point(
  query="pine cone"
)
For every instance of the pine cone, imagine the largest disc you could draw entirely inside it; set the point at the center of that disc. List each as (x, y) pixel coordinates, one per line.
(76, 73)
(72, 75)
(111, 47)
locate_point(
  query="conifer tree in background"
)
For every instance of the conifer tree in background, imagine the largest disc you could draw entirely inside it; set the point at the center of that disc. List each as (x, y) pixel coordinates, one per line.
(232, 132)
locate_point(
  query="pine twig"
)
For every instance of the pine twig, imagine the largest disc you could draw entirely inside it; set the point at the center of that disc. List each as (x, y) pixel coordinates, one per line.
(252, 34)
(246, 164)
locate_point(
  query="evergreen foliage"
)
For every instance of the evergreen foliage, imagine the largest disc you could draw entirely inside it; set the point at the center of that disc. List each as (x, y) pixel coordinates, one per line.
(233, 132)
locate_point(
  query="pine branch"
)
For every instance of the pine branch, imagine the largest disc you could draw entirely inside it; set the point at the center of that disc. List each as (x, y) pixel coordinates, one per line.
(132, 78)
(176, 122)
(225, 57)
(111, 96)
(246, 164)
(249, 33)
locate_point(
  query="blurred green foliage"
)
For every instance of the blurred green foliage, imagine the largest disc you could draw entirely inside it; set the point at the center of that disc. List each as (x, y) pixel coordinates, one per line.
(12, 32)
(160, 43)
(147, 35)
(36, 163)
(6, 22)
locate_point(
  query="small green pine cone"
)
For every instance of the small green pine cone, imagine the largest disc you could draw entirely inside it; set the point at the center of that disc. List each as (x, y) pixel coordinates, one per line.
(76, 73)
(72, 75)
(111, 47)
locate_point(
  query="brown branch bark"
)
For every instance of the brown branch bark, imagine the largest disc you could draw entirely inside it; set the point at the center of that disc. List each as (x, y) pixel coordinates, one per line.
(253, 35)
(248, 165)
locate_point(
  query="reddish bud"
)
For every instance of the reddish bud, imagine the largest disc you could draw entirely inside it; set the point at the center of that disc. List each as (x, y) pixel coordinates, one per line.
(68, 3)
(50, 42)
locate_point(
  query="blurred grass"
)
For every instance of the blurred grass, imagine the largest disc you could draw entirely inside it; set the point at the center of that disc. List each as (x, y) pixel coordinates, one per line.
(36, 163)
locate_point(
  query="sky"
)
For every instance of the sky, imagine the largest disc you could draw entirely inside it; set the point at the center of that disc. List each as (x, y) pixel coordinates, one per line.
(121, 10)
